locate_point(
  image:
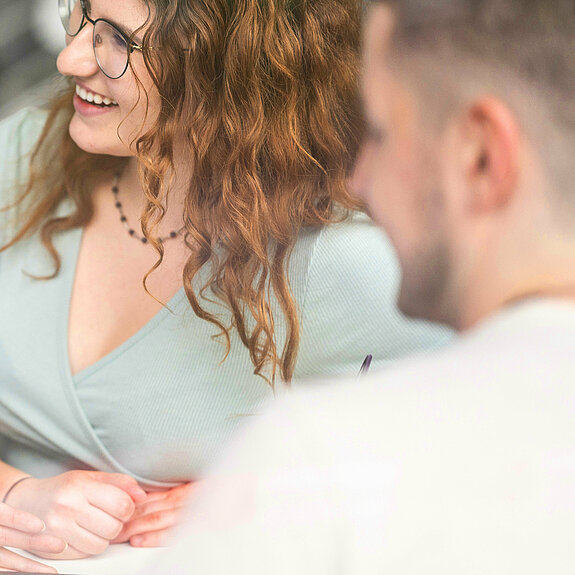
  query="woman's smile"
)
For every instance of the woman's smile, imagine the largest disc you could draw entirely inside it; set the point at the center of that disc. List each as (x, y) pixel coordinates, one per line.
(89, 104)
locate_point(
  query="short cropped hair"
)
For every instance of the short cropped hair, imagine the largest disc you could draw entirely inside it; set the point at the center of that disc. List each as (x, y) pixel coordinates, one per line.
(528, 44)
(535, 39)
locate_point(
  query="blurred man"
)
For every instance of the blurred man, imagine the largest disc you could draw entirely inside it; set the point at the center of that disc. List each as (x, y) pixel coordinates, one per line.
(461, 461)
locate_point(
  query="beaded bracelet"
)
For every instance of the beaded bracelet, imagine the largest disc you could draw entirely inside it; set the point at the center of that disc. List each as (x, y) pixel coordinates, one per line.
(14, 485)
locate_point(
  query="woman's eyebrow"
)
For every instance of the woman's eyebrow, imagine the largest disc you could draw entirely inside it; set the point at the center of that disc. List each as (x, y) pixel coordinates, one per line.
(127, 32)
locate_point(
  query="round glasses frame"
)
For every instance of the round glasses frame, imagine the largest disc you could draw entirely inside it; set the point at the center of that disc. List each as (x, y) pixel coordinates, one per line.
(130, 44)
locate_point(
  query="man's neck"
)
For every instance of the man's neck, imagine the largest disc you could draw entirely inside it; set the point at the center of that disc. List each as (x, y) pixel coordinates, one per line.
(490, 301)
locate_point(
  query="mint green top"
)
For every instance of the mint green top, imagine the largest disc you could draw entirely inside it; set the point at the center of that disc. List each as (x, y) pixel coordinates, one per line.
(160, 406)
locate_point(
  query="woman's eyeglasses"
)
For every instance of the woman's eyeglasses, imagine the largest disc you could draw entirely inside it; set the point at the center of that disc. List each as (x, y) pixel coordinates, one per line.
(112, 47)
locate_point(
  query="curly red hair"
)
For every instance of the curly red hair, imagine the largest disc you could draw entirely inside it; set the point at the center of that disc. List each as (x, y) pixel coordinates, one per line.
(267, 91)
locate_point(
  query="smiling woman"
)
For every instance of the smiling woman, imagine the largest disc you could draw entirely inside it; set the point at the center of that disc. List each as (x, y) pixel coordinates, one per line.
(113, 98)
(179, 244)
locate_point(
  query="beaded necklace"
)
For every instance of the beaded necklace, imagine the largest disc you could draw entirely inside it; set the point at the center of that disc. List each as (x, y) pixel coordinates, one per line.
(131, 231)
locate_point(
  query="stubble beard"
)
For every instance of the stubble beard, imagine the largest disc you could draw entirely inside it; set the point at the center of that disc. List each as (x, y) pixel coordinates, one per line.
(424, 287)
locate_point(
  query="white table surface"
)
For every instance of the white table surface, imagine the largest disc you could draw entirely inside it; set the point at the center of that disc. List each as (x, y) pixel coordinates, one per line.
(116, 560)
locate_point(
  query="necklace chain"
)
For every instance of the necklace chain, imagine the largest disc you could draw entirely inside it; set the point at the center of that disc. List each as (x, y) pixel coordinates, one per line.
(124, 220)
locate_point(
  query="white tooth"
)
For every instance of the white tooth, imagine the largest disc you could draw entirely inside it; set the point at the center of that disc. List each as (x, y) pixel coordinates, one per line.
(97, 99)
(77, 89)
(90, 97)
(114, 103)
(107, 101)
(82, 93)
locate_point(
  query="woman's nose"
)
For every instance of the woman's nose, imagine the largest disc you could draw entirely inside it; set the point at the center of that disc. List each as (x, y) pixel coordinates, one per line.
(77, 58)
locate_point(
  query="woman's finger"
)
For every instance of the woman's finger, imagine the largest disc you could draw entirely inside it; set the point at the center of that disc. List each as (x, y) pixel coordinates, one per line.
(42, 542)
(20, 520)
(157, 521)
(99, 523)
(174, 498)
(69, 554)
(151, 539)
(112, 500)
(158, 506)
(16, 562)
(124, 482)
(160, 511)
(77, 537)
(85, 542)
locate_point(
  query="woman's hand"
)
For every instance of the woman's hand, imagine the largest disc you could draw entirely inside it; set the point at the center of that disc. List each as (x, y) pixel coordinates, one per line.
(154, 517)
(87, 509)
(25, 531)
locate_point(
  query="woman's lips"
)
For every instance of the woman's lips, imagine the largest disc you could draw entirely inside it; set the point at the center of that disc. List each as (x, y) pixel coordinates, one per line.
(89, 104)
(87, 109)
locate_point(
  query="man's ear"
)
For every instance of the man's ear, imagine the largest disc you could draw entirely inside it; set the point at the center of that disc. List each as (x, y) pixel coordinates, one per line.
(490, 149)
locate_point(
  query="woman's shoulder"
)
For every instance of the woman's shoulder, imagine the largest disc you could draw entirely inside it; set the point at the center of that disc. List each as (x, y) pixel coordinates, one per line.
(350, 250)
(355, 230)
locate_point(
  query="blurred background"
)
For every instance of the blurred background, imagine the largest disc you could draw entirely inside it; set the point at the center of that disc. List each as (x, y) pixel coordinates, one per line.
(30, 38)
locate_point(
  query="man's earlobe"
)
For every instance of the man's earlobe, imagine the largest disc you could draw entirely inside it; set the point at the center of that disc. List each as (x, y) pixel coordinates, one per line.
(493, 141)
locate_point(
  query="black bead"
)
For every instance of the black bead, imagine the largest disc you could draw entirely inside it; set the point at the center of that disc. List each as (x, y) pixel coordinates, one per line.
(123, 219)
(173, 234)
(131, 232)
(144, 240)
(118, 204)
(115, 190)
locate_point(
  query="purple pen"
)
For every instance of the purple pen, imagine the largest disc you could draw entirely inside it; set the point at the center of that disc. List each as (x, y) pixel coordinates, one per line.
(365, 365)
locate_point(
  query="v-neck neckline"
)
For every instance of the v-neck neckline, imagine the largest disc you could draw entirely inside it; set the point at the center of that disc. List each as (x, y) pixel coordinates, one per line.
(75, 238)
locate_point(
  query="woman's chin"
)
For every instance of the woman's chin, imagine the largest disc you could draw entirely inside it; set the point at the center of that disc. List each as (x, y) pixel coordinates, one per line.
(97, 140)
